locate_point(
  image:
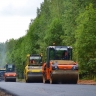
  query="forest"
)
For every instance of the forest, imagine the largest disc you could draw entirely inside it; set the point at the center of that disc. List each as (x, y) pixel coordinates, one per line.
(64, 22)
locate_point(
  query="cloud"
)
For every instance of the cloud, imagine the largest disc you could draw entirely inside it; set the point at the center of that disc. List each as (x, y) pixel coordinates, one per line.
(15, 16)
(19, 7)
(13, 27)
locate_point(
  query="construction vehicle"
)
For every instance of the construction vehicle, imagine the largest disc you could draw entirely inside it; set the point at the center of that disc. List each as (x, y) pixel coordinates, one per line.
(2, 71)
(10, 74)
(33, 68)
(60, 69)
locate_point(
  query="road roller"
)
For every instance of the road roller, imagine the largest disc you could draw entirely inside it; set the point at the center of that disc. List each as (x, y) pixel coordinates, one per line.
(33, 68)
(10, 74)
(59, 66)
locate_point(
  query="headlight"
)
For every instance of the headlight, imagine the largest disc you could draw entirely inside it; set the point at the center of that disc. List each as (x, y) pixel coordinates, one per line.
(7, 74)
(54, 67)
(75, 67)
(14, 74)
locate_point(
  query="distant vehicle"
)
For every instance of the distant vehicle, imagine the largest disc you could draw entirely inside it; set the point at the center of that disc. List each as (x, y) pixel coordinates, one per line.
(2, 71)
(10, 74)
(33, 68)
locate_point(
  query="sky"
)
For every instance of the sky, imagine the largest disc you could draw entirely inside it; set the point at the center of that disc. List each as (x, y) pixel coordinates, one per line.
(15, 16)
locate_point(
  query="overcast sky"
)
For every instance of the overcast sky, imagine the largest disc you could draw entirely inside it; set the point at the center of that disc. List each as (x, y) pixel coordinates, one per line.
(15, 16)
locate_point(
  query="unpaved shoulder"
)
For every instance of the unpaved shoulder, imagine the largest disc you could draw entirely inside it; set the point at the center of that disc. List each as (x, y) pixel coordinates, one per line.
(87, 82)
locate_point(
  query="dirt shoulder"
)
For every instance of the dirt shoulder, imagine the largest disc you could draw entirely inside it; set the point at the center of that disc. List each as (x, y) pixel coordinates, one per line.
(87, 82)
(4, 93)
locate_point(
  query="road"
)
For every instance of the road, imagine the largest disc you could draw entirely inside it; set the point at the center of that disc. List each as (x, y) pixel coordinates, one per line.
(40, 89)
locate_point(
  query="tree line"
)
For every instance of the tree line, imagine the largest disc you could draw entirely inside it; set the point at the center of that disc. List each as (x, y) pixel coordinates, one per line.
(65, 22)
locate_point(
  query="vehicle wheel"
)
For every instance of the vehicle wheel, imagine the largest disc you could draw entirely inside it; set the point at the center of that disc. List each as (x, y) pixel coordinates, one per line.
(15, 80)
(50, 80)
(5, 80)
(44, 81)
(26, 81)
(74, 82)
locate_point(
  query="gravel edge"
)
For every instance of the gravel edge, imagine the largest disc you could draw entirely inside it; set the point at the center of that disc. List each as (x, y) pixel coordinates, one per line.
(4, 92)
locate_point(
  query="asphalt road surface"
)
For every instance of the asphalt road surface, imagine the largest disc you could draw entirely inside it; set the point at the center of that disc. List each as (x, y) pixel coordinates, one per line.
(40, 89)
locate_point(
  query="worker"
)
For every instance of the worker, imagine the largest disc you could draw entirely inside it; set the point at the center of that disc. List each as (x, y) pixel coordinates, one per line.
(32, 61)
(65, 55)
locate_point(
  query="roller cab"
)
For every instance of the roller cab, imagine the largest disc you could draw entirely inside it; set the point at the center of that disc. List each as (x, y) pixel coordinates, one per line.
(60, 68)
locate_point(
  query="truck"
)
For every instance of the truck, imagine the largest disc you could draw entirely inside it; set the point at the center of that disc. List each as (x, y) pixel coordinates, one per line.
(59, 66)
(33, 68)
(10, 74)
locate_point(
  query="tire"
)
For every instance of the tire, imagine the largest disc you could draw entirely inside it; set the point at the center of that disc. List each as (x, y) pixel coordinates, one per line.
(50, 80)
(15, 80)
(74, 82)
(27, 81)
(44, 81)
(5, 80)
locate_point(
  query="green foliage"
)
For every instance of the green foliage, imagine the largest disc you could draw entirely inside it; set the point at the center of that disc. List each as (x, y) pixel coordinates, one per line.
(86, 36)
(64, 22)
(54, 33)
